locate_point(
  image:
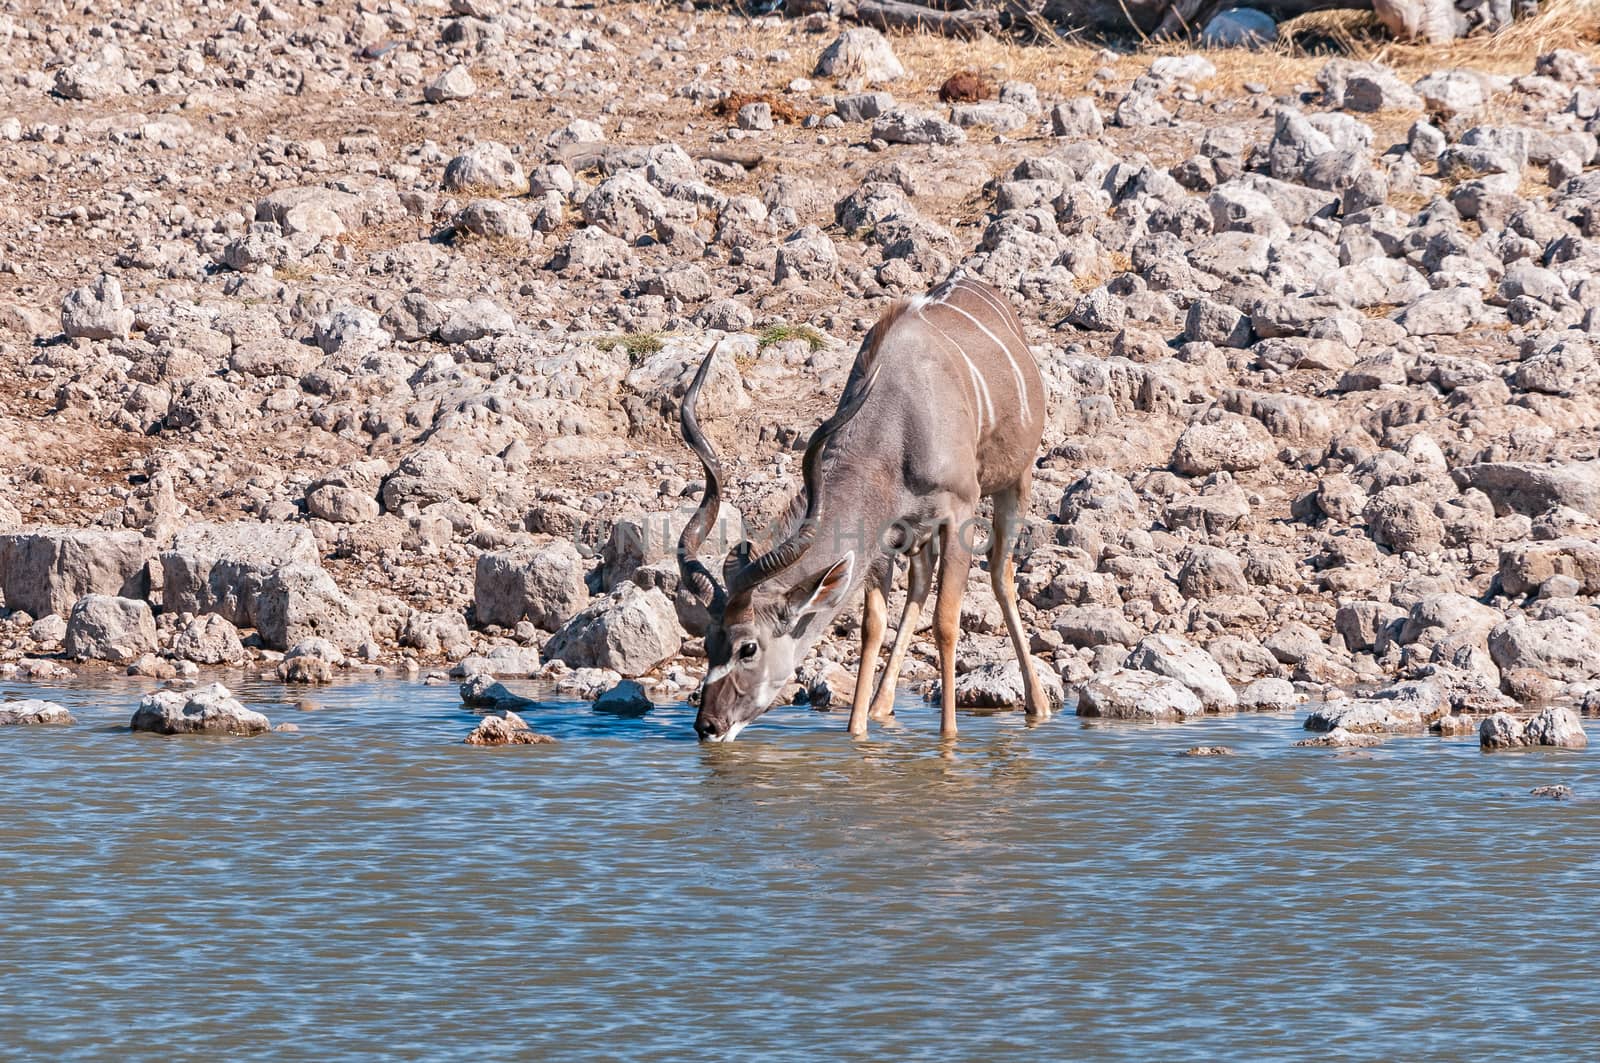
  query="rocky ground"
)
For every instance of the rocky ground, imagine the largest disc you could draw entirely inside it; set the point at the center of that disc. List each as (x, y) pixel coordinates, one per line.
(340, 335)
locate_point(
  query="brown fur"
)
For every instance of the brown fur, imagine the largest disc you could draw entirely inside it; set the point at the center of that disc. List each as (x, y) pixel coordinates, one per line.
(782, 109)
(965, 86)
(957, 411)
(875, 336)
(785, 523)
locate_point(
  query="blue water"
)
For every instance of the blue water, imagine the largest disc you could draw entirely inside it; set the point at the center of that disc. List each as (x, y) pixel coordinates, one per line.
(370, 888)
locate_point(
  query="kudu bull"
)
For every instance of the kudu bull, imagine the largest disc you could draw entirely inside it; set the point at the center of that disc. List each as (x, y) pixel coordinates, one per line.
(943, 406)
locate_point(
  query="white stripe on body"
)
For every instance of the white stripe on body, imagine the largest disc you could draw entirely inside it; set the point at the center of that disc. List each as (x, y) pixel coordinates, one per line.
(988, 296)
(992, 300)
(1016, 370)
(980, 388)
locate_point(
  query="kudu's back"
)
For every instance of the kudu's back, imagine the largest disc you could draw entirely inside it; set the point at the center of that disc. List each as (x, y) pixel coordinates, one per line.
(957, 389)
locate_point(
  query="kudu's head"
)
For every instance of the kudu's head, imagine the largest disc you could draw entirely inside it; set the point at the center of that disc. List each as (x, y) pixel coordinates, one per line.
(766, 610)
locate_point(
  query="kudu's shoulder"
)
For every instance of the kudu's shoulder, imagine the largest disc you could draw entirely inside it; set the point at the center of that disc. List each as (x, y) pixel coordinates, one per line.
(877, 337)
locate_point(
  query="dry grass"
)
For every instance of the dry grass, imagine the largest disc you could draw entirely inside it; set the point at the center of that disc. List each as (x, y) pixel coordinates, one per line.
(1409, 200)
(1118, 262)
(496, 246)
(1535, 184)
(1348, 32)
(1062, 67)
(1571, 24)
(1063, 64)
(638, 345)
(782, 333)
(294, 273)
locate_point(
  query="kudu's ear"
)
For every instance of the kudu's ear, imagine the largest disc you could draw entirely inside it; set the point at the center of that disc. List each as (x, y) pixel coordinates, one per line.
(694, 614)
(832, 587)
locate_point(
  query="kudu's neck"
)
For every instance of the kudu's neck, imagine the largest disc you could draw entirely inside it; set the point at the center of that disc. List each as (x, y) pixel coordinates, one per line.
(861, 487)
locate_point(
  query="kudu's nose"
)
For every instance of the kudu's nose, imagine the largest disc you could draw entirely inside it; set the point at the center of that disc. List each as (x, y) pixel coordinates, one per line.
(703, 729)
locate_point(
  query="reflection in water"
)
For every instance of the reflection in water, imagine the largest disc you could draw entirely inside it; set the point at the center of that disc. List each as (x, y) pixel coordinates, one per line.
(371, 888)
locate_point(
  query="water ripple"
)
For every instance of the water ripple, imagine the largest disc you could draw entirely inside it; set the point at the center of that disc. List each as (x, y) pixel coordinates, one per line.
(369, 888)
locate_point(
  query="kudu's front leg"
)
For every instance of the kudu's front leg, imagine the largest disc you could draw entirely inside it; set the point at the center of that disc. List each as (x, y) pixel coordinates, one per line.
(919, 579)
(955, 558)
(872, 622)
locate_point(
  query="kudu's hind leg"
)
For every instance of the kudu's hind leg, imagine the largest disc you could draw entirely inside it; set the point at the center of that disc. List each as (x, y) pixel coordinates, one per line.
(873, 615)
(1008, 507)
(919, 578)
(954, 560)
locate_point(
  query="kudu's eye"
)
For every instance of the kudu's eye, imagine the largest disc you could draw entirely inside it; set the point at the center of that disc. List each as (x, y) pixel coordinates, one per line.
(747, 651)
